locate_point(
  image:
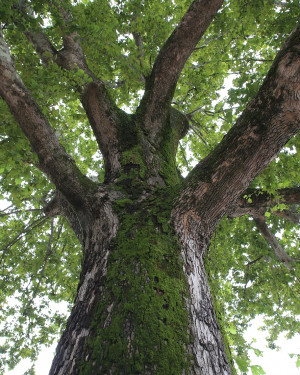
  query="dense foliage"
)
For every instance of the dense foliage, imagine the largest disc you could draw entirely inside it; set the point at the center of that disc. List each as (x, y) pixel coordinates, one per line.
(40, 257)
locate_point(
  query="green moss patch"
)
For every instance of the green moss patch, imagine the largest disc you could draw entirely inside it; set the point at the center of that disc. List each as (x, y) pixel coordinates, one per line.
(141, 324)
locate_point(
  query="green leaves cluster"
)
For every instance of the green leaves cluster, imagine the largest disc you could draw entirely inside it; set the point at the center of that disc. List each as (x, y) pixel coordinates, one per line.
(248, 280)
(39, 267)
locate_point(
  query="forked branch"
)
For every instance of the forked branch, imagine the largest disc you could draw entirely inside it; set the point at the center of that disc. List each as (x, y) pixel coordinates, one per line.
(270, 119)
(160, 86)
(53, 159)
(101, 110)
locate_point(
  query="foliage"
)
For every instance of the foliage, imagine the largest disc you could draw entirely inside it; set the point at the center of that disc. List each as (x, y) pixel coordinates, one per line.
(40, 258)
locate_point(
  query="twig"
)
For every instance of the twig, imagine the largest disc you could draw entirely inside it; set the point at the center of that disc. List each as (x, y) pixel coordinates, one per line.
(254, 261)
(6, 208)
(190, 114)
(198, 133)
(293, 217)
(246, 274)
(47, 255)
(18, 211)
(184, 157)
(25, 231)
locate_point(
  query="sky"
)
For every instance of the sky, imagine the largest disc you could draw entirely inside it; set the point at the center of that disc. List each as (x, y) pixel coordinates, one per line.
(274, 362)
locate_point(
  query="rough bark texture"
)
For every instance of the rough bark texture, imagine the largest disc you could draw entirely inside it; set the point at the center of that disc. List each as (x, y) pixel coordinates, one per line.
(135, 310)
(143, 303)
(207, 346)
(98, 233)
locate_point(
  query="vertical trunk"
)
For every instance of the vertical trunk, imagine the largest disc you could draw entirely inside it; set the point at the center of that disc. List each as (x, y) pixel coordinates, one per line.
(143, 304)
(207, 347)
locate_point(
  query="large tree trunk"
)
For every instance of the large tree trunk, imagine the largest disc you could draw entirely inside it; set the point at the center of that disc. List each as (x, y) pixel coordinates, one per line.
(143, 304)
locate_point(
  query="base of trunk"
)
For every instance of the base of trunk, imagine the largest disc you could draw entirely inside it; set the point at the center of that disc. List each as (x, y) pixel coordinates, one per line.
(143, 304)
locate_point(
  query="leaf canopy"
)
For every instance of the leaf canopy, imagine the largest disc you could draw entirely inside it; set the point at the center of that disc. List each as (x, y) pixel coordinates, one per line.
(40, 257)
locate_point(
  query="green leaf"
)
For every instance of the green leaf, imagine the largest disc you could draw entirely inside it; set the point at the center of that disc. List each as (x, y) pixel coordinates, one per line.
(257, 370)
(231, 329)
(258, 352)
(242, 364)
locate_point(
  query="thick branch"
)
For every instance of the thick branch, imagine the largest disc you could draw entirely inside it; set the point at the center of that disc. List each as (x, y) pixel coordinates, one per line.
(140, 45)
(53, 159)
(262, 198)
(100, 108)
(292, 216)
(161, 84)
(59, 205)
(267, 123)
(254, 201)
(42, 45)
(273, 242)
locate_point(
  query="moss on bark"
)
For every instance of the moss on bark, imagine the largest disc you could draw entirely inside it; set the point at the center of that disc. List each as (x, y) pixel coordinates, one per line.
(140, 325)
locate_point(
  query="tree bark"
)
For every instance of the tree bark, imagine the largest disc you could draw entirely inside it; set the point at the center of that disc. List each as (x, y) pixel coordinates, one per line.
(143, 304)
(161, 83)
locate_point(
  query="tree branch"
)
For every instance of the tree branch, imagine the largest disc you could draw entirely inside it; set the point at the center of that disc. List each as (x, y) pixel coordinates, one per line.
(27, 229)
(255, 201)
(140, 45)
(42, 45)
(247, 272)
(253, 261)
(160, 86)
(59, 205)
(262, 198)
(46, 258)
(273, 242)
(292, 216)
(101, 110)
(53, 159)
(259, 203)
(20, 211)
(267, 123)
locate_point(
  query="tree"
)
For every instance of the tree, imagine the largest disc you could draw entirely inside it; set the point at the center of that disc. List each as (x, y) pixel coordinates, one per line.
(70, 72)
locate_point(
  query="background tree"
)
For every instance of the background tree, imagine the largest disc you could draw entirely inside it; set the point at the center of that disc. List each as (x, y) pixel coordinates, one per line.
(79, 172)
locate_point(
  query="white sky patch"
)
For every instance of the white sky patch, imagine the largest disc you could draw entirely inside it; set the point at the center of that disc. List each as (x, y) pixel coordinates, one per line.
(273, 362)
